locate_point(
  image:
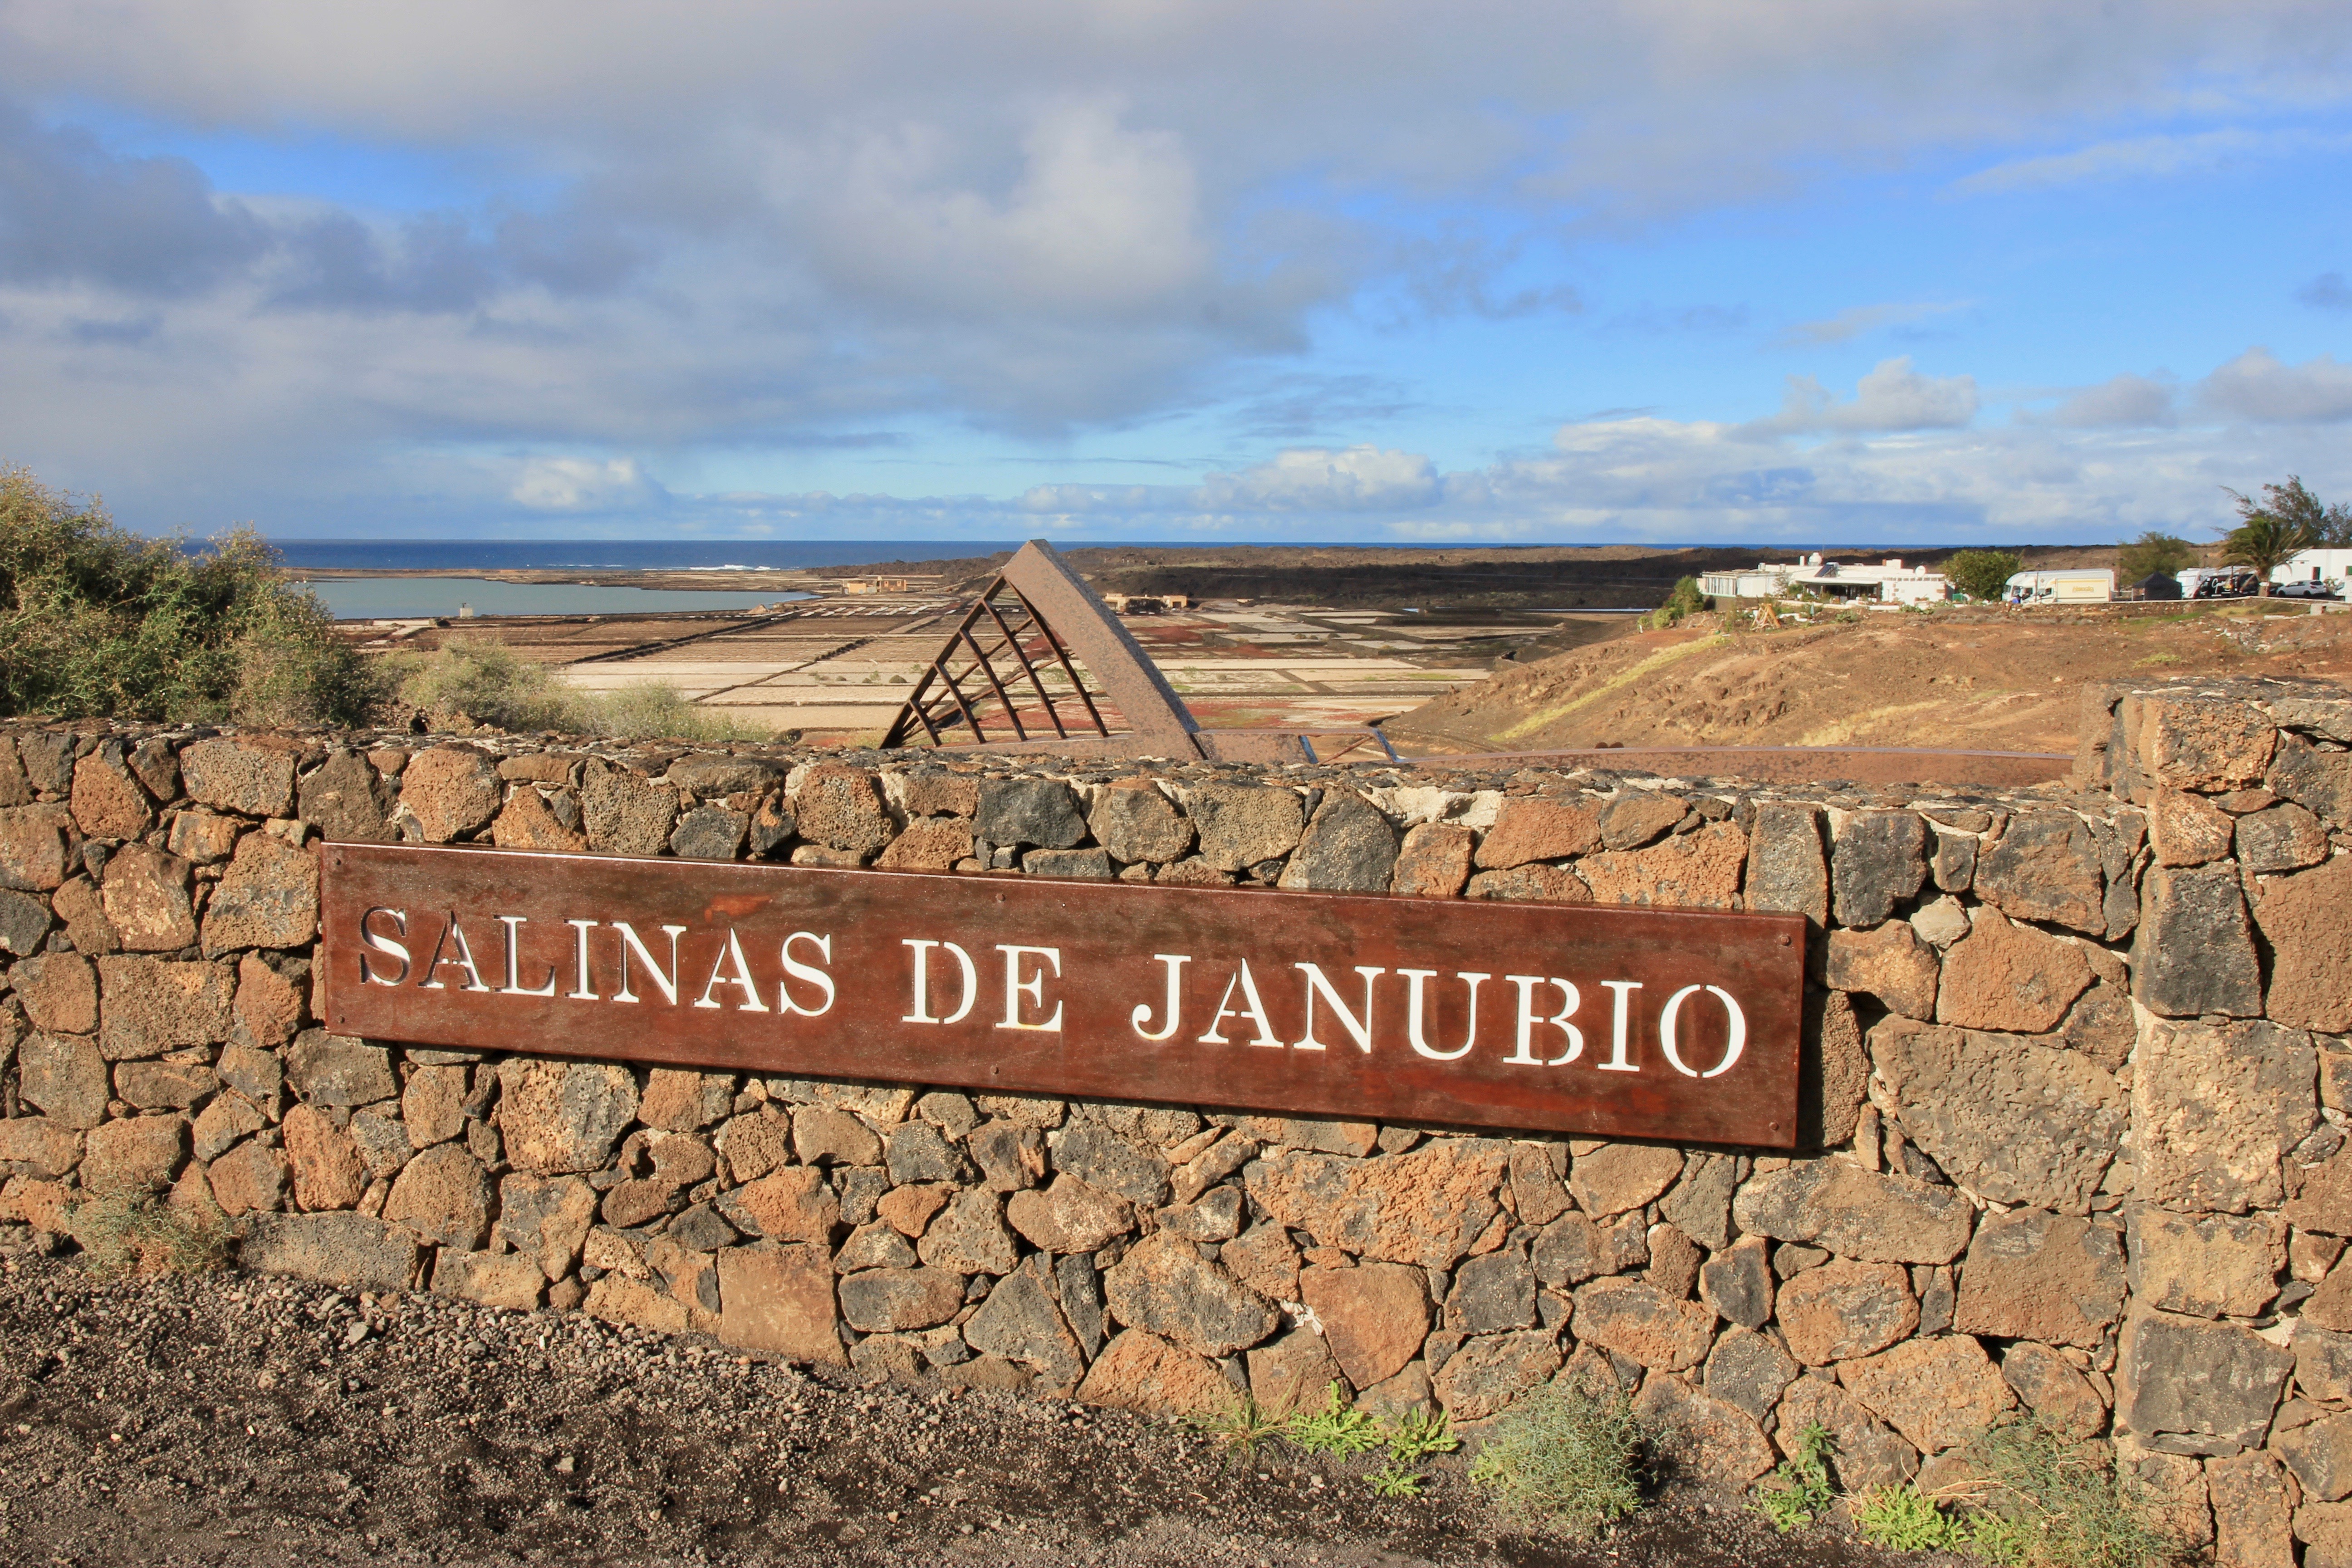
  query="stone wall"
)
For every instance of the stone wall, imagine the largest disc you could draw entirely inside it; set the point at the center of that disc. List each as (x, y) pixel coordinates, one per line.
(2075, 1084)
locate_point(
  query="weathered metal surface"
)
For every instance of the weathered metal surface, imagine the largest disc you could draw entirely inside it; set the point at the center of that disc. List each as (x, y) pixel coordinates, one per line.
(1043, 612)
(1615, 1022)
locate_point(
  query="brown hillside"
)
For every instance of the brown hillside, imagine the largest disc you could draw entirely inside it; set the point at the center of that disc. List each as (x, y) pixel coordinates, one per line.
(1986, 680)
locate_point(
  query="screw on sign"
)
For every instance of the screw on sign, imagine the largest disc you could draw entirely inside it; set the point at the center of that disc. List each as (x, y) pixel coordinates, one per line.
(1615, 1022)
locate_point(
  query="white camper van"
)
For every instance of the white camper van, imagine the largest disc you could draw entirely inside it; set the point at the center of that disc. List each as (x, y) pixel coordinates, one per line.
(2083, 586)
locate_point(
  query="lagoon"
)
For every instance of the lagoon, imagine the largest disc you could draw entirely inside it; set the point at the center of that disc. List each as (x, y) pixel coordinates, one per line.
(406, 598)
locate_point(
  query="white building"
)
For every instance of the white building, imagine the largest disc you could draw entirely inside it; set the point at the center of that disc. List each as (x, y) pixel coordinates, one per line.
(2074, 587)
(2333, 566)
(1890, 582)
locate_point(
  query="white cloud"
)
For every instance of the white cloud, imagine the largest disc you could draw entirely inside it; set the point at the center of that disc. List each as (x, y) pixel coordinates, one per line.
(1847, 325)
(2143, 157)
(1361, 478)
(584, 484)
(2258, 386)
(2122, 400)
(1892, 396)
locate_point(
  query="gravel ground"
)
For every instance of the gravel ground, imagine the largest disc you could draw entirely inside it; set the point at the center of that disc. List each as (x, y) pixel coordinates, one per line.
(245, 1419)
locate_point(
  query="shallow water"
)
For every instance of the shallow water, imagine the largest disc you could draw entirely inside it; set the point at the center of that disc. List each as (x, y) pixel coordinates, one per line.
(391, 598)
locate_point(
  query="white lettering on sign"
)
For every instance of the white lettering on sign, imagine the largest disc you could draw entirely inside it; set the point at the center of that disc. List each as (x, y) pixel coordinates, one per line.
(1668, 1042)
(376, 942)
(1253, 1009)
(1034, 988)
(1548, 1028)
(1413, 1007)
(922, 1013)
(1175, 1003)
(1571, 1037)
(806, 973)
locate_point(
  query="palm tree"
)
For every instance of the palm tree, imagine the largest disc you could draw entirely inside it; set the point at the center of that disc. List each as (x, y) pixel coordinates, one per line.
(2266, 536)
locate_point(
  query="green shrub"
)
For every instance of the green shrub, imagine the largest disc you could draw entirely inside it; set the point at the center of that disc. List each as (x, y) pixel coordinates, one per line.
(1982, 574)
(2033, 1500)
(98, 622)
(1563, 1461)
(469, 680)
(1411, 1440)
(2151, 553)
(656, 711)
(1685, 600)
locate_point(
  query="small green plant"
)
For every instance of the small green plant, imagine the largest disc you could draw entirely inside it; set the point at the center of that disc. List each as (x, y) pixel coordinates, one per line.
(1336, 1428)
(1564, 1461)
(1411, 1440)
(1240, 1430)
(1798, 1492)
(1901, 1518)
(121, 1232)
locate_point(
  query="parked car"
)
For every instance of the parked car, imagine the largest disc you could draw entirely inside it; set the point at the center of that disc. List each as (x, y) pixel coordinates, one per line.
(2305, 591)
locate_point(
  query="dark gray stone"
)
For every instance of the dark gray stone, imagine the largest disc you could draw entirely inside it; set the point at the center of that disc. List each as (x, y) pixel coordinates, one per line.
(1139, 823)
(1091, 864)
(24, 923)
(772, 825)
(1164, 1286)
(1955, 862)
(710, 774)
(1491, 1294)
(625, 814)
(1747, 1370)
(1879, 860)
(48, 759)
(709, 832)
(895, 1301)
(346, 800)
(2285, 837)
(1081, 1292)
(1856, 1213)
(1699, 1205)
(1011, 1156)
(1738, 1283)
(336, 1248)
(1640, 816)
(917, 1152)
(1572, 1250)
(1348, 848)
(337, 1069)
(2185, 1385)
(2016, 1120)
(1786, 871)
(1101, 1158)
(2046, 867)
(1043, 813)
(699, 1229)
(2320, 781)
(2194, 953)
(1020, 1320)
(157, 767)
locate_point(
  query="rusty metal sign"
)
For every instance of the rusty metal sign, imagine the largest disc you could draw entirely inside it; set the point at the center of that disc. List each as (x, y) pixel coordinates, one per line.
(1605, 1021)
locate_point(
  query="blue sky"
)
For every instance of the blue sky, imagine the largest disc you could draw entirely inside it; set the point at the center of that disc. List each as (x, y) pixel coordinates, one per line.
(1819, 271)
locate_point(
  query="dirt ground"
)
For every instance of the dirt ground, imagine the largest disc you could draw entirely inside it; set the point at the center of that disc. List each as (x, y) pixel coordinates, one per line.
(1961, 678)
(242, 1420)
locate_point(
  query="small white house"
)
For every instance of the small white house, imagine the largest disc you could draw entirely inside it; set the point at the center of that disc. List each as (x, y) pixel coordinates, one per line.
(1890, 582)
(2071, 586)
(2315, 566)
